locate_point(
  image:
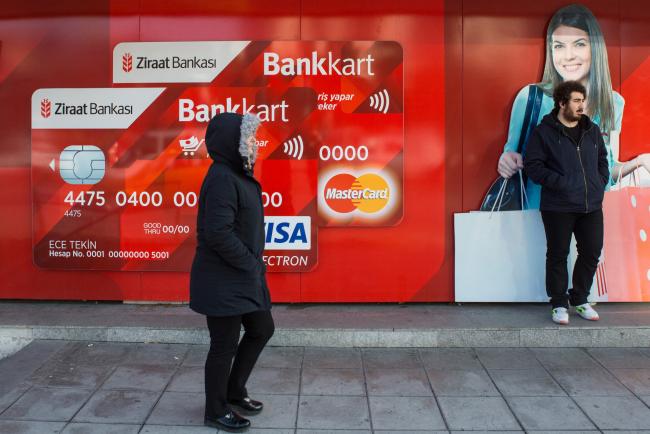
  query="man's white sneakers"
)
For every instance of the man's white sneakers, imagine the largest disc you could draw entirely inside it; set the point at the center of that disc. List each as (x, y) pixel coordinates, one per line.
(587, 312)
(560, 315)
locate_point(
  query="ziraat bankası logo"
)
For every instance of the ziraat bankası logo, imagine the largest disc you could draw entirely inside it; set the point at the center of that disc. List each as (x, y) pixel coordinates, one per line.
(46, 108)
(127, 62)
(173, 62)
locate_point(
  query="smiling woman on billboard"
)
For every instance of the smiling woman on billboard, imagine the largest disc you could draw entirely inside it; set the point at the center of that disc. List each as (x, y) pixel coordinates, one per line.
(575, 50)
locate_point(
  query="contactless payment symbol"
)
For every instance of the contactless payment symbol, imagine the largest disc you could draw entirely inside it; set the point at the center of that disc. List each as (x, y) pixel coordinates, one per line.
(82, 164)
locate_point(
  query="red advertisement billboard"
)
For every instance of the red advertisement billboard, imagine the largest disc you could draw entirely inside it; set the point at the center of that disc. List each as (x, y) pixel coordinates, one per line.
(375, 165)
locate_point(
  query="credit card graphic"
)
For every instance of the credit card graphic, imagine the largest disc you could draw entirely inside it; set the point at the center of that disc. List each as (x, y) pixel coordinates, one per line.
(116, 171)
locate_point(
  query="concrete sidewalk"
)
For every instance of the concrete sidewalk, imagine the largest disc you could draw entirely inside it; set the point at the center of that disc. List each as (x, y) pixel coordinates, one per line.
(331, 325)
(99, 387)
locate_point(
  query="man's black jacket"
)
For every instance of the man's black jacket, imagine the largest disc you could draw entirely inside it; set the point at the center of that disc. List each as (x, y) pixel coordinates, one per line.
(573, 175)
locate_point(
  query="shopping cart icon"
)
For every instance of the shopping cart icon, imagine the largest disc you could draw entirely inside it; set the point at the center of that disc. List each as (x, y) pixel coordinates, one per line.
(189, 146)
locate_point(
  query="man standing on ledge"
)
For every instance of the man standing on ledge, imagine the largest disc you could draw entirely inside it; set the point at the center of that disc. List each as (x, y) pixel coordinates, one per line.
(566, 155)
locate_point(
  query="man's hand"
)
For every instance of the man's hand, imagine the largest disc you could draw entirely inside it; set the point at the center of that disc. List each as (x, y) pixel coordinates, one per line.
(509, 164)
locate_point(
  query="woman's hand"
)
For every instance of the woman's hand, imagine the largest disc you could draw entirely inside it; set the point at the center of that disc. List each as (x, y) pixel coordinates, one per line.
(643, 160)
(509, 164)
(623, 169)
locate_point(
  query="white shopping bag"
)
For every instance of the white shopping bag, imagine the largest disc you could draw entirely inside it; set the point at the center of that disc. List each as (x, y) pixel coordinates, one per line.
(500, 256)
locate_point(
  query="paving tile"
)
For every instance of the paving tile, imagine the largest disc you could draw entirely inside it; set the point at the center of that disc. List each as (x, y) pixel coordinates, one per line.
(188, 379)
(281, 357)
(380, 431)
(47, 404)
(525, 382)
(140, 377)
(280, 411)
(343, 358)
(474, 413)
(9, 396)
(449, 382)
(24, 427)
(397, 382)
(254, 430)
(117, 406)
(67, 352)
(507, 358)
(637, 380)
(17, 368)
(156, 354)
(187, 409)
(588, 382)
(317, 381)
(550, 413)
(410, 413)
(558, 358)
(63, 374)
(615, 412)
(333, 412)
(283, 381)
(645, 399)
(645, 431)
(196, 355)
(100, 428)
(500, 432)
(95, 353)
(624, 358)
(390, 358)
(178, 408)
(184, 429)
(550, 432)
(337, 431)
(179, 429)
(450, 358)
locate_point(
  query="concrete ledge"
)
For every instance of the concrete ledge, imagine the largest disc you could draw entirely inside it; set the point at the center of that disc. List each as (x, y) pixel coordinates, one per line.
(16, 337)
(333, 325)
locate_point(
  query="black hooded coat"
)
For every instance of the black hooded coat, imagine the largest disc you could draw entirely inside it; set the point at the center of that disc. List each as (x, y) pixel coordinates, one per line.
(228, 275)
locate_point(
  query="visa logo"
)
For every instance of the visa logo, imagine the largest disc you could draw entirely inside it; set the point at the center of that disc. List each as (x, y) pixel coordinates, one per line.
(287, 232)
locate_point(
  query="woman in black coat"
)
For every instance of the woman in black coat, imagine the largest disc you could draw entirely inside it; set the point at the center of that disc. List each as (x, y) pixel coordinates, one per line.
(228, 280)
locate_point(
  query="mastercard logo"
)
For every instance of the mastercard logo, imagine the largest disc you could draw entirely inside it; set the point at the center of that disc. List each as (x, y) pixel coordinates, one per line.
(368, 193)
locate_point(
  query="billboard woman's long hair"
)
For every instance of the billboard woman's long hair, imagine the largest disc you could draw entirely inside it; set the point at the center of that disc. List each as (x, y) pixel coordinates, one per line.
(600, 100)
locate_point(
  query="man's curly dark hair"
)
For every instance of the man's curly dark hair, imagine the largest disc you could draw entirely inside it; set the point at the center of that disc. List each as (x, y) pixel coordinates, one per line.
(562, 92)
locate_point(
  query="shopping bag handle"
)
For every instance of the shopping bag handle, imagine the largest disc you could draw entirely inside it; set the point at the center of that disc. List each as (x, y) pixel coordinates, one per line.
(524, 196)
(634, 182)
(502, 192)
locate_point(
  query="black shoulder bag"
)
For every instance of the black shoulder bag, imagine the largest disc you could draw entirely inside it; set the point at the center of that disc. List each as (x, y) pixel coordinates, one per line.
(512, 196)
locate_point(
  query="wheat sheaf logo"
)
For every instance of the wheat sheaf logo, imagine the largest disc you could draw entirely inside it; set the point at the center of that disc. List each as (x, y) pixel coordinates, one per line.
(46, 108)
(127, 62)
(294, 147)
(380, 101)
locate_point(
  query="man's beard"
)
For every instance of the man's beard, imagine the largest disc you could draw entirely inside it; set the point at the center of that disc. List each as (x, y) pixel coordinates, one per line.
(569, 116)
